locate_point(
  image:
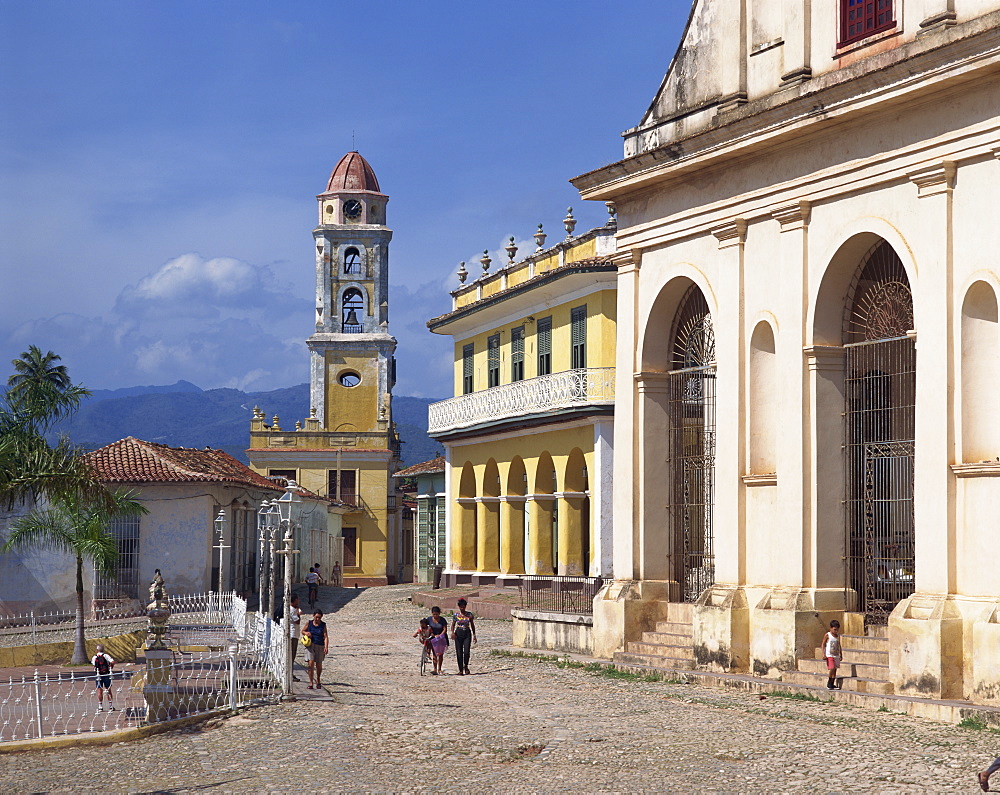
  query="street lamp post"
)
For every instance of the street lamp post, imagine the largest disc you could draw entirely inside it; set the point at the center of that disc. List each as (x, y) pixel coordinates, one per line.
(286, 504)
(220, 529)
(263, 520)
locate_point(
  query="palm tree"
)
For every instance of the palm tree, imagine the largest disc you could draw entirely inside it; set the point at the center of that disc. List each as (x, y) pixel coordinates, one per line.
(40, 393)
(40, 390)
(78, 525)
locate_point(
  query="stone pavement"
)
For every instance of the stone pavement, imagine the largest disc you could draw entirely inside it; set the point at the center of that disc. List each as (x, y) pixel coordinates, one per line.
(515, 725)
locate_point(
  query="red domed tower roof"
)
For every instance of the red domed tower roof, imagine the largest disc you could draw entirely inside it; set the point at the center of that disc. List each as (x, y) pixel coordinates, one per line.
(352, 174)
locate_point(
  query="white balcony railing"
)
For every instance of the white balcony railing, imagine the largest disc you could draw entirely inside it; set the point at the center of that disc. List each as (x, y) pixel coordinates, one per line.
(568, 389)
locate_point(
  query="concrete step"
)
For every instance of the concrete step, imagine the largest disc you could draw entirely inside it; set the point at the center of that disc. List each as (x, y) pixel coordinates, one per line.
(864, 643)
(669, 638)
(660, 650)
(675, 628)
(679, 612)
(854, 683)
(846, 669)
(861, 656)
(652, 661)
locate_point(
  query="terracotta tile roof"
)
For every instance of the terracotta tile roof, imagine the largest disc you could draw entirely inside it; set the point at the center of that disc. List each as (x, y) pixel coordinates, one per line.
(426, 468)
(132, 460)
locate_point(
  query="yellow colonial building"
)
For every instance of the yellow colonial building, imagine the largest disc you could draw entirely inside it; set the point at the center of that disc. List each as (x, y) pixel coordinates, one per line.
(528, 435)
(348, 447)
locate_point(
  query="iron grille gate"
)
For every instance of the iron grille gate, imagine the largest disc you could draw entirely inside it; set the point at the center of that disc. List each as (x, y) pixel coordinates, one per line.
(881, 396)
(691, 395)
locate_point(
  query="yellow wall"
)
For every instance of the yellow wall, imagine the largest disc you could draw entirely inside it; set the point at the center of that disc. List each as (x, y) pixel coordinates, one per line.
(558, 443)
(357, 404)
(601, 318)
(372, 485)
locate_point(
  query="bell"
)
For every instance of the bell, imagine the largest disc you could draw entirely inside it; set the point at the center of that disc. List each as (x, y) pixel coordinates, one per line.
(352, 318)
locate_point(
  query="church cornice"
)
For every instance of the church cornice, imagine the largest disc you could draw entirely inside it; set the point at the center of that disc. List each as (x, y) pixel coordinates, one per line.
(926, 65)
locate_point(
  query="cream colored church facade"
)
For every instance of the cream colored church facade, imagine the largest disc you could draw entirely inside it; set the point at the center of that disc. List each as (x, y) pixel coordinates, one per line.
(807, 420)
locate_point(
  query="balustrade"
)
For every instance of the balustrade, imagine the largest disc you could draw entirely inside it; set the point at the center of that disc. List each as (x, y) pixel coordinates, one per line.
(568, 389)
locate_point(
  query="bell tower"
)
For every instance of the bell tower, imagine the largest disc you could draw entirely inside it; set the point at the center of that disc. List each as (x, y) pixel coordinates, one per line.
(351, 351)
(348, 448)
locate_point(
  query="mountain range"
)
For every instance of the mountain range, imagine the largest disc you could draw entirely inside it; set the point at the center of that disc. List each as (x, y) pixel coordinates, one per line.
(183, 415)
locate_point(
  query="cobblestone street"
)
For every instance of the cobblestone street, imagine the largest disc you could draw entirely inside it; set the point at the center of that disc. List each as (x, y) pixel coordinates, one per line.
(518, 725)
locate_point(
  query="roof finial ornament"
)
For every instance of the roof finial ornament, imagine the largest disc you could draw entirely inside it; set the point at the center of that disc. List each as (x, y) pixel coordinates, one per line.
(613, 212)
(511, 250)
(569, 222)
(354, 145)
(463, 274)
(540, 237)
(485, 260)
(275, 425)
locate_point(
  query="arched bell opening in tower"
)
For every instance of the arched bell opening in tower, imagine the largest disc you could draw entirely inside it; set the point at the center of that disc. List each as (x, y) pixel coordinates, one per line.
(352, 303)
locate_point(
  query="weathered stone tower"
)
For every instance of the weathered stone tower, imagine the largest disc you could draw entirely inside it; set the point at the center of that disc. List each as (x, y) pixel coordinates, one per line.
(348, 448)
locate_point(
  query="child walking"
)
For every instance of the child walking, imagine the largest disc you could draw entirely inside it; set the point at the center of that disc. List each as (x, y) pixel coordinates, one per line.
(832, 652)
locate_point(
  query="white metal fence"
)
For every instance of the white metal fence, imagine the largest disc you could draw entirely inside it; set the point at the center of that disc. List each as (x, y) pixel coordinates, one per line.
(240, 667)
(30, 629)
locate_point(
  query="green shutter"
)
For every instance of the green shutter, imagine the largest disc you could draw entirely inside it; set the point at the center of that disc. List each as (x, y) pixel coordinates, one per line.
(578, 336)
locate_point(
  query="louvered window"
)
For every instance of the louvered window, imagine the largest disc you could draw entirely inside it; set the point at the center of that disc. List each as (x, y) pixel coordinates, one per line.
(544, 340)
(343, 484)
(861, 18)
(467, 368)
(517, 354)
(578, 336)
(493, 359)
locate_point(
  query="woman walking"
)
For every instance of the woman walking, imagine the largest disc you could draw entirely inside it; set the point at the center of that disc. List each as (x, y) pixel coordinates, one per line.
(317, 650)
(439, 638)
(463, 632)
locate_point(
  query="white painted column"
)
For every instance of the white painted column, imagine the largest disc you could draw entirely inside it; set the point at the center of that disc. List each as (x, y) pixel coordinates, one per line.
(933, 309)
(728, 516)
(601, 502)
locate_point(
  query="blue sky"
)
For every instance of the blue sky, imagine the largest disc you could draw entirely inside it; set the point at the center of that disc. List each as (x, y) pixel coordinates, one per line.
(160, 162)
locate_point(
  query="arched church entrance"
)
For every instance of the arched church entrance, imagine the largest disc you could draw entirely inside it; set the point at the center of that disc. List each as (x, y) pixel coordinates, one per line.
(691, 442)
(880, 392)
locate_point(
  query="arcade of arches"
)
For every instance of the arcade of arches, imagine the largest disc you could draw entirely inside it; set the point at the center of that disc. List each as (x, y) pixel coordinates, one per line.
(528, 512)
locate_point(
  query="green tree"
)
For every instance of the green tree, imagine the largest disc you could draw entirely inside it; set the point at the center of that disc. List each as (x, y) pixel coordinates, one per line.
(78, 525)
(39, 393)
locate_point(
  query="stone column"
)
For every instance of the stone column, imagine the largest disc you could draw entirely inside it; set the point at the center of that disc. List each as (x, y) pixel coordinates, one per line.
(488, 534)
(512, 534)
(540, 519)
(571, 532)
(602, 502)
(463, 541)
(925, 631)
(720, 618)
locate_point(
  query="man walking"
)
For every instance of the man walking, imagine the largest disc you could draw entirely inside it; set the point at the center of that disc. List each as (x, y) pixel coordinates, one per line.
(103, 663)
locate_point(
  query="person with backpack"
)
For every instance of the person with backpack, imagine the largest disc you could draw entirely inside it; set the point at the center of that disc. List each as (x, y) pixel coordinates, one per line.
(103, 663)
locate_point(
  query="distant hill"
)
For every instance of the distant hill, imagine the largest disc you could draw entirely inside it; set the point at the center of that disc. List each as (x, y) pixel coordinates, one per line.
(182, 415)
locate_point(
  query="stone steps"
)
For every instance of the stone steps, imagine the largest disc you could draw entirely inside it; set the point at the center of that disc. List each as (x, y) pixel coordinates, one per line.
(652, 661)
(668, 638)
(861, 657)
(660, 649)
(675, 628)
(864, 667)
(859, 684)
(668, 645)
